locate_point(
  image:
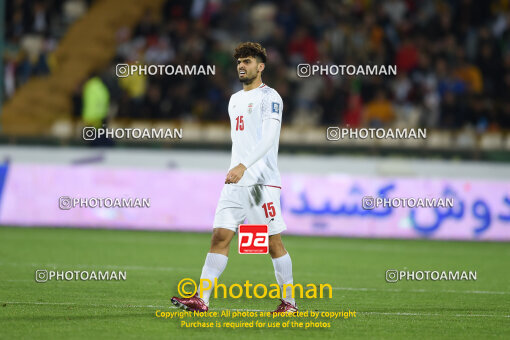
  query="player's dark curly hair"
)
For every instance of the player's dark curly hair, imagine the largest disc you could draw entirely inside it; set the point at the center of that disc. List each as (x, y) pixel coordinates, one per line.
(250, 49)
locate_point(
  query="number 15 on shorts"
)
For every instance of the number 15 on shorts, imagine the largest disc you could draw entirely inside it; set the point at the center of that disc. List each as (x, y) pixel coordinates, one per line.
(253, 239)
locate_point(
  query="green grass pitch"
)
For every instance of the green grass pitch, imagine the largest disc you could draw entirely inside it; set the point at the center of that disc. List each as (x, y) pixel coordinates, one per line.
(156, 261)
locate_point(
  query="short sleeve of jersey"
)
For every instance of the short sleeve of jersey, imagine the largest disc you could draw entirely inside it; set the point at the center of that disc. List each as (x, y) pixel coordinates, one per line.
(272, 106)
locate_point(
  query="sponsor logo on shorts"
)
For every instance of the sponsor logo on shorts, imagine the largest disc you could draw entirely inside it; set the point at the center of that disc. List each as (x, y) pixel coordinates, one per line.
(253, 239)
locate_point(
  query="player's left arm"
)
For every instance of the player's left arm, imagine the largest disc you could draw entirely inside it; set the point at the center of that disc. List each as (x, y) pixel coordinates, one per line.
(272, 107)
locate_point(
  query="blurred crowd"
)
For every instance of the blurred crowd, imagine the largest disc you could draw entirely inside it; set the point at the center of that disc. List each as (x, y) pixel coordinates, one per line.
(32, 31)
(452, 57)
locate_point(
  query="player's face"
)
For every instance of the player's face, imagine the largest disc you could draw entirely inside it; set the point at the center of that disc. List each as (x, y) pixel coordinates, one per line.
(248, 69)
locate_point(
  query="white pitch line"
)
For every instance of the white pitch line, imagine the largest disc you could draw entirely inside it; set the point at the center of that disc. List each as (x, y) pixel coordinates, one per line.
(385, 313)
(117, 267)
(242, 309)
(77, 304)
(93, 266)
(435, 314)
(396, 290)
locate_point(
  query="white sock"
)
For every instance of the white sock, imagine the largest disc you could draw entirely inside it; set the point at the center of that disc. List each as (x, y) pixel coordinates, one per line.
(283, 272)
(213, 267)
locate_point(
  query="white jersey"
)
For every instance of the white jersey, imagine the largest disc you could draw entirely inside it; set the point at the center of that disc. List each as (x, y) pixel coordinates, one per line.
(247, 110)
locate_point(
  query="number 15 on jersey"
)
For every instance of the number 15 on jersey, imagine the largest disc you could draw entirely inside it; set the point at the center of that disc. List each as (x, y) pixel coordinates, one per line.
(239, 123)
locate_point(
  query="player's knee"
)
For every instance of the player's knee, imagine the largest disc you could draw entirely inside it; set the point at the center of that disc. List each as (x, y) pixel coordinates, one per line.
(219, 239)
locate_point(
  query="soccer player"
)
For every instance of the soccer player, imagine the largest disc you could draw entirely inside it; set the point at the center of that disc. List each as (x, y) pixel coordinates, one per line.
(252, 185)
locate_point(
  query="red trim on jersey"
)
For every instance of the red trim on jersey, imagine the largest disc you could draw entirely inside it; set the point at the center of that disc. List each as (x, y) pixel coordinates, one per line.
(273, 186)
(261, 86)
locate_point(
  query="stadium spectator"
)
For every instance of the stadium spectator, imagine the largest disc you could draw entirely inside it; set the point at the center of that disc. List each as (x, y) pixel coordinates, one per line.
(453, 58)
(96, 102)
(379, 112)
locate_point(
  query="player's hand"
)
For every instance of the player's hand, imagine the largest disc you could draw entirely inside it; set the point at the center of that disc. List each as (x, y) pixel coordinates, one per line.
(235, 174)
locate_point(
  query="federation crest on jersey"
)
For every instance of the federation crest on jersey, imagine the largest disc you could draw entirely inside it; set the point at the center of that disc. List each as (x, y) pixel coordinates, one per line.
(275, 107)
(250, 108)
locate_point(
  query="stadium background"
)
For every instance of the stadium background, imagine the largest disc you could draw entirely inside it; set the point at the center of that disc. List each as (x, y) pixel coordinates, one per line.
(453, 78)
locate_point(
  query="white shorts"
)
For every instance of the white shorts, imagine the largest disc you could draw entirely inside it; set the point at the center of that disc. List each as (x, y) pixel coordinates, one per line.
(259, 204)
